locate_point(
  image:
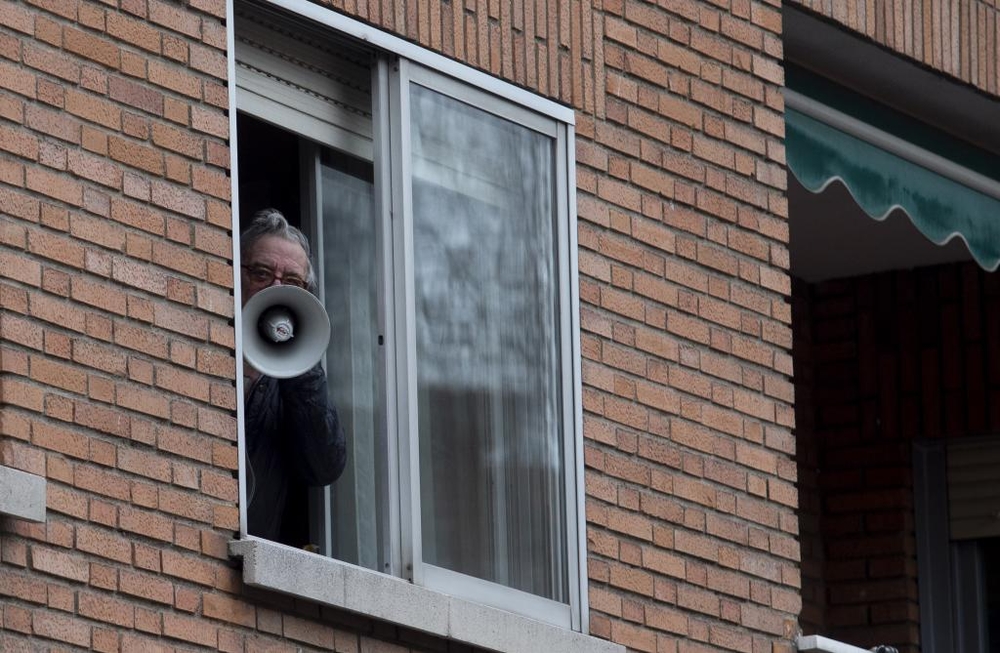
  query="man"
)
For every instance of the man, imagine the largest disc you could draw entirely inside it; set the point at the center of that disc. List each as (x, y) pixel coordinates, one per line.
(293, 435)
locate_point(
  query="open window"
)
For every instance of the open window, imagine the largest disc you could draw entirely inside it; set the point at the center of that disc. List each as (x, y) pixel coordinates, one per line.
(957, 506)
(438, 205)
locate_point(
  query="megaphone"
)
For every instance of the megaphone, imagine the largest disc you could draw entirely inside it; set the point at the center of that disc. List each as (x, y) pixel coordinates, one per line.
(285, 331)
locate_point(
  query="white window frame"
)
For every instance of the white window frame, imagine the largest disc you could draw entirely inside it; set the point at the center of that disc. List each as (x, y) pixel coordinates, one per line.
(405, 73)
(462, 593)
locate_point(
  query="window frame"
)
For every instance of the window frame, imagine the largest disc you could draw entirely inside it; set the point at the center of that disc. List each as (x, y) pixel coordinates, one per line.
(395, 242)
(425, 574)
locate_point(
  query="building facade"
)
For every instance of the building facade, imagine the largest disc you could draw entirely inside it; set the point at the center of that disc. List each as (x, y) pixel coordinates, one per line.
(597, 397)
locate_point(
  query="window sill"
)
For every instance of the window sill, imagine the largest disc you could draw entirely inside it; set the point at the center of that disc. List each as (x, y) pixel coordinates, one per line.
(819, 644)
(338, 584)
(22, 495)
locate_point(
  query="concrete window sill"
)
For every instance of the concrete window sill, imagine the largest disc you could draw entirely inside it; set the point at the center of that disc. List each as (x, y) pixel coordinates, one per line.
(22, 495)
(819, 644)
(338, 584)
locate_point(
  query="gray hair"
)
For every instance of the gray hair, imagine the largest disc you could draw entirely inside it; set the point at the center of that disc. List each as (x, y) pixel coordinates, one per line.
(270, 222)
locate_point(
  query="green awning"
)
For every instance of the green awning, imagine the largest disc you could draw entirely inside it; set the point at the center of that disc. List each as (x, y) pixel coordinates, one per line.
(942, 199)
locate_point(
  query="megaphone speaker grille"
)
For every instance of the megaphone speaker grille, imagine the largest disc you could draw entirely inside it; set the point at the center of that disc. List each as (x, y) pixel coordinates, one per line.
(310, 328)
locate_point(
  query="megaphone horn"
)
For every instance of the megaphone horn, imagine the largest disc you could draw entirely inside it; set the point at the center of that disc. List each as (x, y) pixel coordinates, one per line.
(285, 331)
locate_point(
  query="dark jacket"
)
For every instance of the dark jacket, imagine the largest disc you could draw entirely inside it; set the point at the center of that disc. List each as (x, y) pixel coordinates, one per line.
(294, 440)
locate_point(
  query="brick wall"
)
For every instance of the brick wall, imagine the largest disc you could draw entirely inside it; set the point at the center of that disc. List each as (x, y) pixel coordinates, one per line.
(116, 345)
(554, 47)
(895, 357)
(686, 333)
(117, 367)
(960, 38)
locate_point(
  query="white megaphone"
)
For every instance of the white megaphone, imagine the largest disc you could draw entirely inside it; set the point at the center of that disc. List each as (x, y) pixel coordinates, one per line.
(285, 331)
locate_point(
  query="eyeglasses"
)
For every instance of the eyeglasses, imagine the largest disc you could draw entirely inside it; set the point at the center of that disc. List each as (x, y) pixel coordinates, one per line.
(262, 275)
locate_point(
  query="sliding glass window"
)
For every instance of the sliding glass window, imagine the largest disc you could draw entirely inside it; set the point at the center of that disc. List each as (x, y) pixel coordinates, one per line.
(442, 229)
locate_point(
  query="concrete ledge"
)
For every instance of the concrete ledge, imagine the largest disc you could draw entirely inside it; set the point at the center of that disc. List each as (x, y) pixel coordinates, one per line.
(338, 584)
(22, 495)
(819, 644)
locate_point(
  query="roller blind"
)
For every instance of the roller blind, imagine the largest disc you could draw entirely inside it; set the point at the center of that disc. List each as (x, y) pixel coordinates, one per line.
(974, 489)
(316, 85)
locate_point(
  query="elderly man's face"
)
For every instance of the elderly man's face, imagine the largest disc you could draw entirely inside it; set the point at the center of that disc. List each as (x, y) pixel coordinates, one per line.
(272, 261)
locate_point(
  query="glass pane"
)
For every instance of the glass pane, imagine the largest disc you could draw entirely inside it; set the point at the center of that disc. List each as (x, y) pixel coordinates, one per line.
(487, 330)
(352, 359)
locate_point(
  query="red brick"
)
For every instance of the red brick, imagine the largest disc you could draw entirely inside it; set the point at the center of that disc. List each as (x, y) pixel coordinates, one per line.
(23, 332)
(189, 629)
(19, 142)
(185, 504)
(136, 95)
(633, 636)
(52, 62)
(301, 630)
(100, 418)
(211, 182)
(60, 563)
(188, 445)
(208, 60)
(633, 580)
(136, 155)
(174, 78)
(53, 625)
(143, 400)
(180, 321)
(57, 248)
(105, 640)
(101, 482)
(147, 586)
(186, 384)
(105, 608)
(136, 215)
(217, 606)
(174, 18)
(134, 32)
(20, 205)
(90, 46)
(23, 587)
(178, 199)
(146, 523)
(95, 168)
(18, 18)
(94, 109)
(56, 186)
(132, 643)
(215, 8)
(60, 598)
(107, 544)
(227, 517)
